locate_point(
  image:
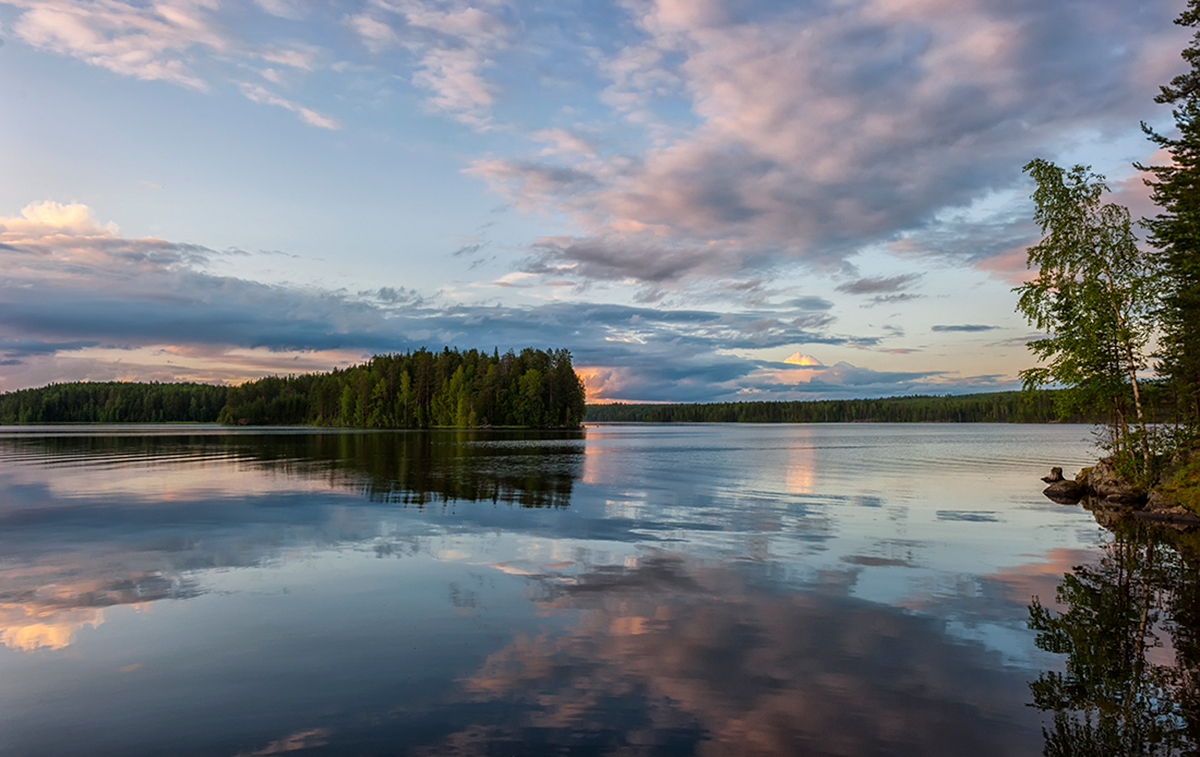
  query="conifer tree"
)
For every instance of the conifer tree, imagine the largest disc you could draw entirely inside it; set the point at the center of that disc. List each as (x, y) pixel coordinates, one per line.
(1175, 231)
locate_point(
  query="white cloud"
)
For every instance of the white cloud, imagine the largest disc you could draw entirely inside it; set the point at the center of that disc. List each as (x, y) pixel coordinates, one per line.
(302, 57)
(289, 9)
(258, 94)
(454, 43)
(170, 40)
(49, 218)
(563, 142)
(154, 43)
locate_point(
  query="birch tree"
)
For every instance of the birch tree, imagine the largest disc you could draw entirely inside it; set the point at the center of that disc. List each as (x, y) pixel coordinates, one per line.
(1094, 296)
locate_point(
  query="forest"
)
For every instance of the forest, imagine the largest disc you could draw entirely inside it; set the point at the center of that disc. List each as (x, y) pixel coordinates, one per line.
(992, 407)
(113, 402)
(424, 389)
(418, 389)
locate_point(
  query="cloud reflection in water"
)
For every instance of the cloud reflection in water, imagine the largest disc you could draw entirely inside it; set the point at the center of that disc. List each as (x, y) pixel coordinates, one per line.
(673, 652)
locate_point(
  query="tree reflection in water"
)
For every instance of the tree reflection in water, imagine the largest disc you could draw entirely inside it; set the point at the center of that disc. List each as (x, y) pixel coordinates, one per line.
(1121, 693)
(528, 468)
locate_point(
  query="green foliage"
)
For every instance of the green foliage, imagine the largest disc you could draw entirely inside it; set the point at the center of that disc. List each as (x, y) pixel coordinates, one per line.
(113, 402)
(421, 389)
(1095, 296)
(992, 407)
(1182, 482)
(1175, 232)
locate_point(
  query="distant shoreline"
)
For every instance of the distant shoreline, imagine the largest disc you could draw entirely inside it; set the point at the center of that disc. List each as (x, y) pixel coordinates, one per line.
(988, 407)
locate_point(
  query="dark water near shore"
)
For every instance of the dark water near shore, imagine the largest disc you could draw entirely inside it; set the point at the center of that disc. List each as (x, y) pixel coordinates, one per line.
(627, 590)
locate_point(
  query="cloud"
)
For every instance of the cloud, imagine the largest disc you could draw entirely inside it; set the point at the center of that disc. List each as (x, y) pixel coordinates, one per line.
(289, 9)
(649, 260)
(808, 132)
(17, 348)
(177, 41)
(966, 327)
(563, 142)
(302, 57)
(310, 738)
(803, 360)
(255, 93)
(154, 42)
(453, 42)
(879, 284)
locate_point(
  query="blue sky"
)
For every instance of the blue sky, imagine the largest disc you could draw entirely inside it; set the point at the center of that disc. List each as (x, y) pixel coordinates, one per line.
(689, 195)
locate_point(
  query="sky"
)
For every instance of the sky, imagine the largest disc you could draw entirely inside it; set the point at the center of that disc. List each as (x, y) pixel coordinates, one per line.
(704, 200)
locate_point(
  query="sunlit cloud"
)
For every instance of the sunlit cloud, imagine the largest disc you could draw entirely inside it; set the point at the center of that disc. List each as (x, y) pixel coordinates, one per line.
(811, 142)
(155, 42)
(797, 358)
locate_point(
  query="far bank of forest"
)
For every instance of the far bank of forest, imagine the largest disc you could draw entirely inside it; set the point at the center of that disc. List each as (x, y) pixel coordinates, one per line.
(419, 389)
(427, 390)
(993, 407)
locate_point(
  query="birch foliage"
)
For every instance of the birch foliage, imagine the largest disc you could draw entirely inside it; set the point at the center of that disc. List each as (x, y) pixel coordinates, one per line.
(1094, 297)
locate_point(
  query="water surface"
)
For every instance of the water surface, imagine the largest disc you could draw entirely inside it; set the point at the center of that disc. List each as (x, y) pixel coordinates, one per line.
(850, 589)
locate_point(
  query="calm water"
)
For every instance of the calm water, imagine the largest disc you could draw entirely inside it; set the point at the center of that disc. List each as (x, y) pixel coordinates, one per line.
(628, 590)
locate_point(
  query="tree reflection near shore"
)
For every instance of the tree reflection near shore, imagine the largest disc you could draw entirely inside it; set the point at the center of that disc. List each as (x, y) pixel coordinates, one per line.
(1122, 691)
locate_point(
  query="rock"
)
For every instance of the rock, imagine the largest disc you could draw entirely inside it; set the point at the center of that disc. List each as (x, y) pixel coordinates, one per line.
(1064, 491)
(1179, 517)
(1054, 477)
(1103, 481)
(1158, 501)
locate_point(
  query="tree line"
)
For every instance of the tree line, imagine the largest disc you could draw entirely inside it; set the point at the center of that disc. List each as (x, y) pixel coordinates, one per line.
(1110, 308)
(417, 389)
(991, 407)
(114, 402)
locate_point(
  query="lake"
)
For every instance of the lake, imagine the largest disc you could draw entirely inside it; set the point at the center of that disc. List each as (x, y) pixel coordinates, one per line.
(854, 589)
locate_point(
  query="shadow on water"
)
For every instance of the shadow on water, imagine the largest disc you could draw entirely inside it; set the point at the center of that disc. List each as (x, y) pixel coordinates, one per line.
(1127, 628)
(525, 468)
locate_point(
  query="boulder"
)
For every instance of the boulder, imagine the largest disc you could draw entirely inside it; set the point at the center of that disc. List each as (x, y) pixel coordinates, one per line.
(1065, 491)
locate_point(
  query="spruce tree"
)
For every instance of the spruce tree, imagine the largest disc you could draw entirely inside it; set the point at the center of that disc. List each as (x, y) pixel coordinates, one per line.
(1175, 232)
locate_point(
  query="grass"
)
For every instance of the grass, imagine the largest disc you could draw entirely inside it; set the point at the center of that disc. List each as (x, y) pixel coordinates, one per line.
(1184, 485)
